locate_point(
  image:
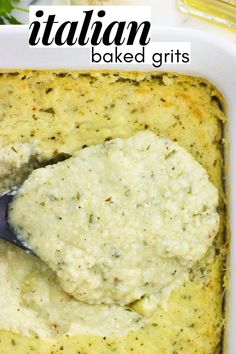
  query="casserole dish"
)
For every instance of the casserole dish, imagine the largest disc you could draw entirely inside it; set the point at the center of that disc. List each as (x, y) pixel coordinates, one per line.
(17, 55)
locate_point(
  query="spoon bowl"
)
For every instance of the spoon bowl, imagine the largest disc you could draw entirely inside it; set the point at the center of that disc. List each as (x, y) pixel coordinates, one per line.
(6, 231)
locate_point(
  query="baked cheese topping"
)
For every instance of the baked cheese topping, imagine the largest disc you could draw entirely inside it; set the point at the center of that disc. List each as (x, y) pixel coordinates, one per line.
(119, 221)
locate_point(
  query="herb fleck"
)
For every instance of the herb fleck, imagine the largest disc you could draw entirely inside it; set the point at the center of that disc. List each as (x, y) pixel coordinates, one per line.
(49, 110)
(14, 149)
(52, 197)
(171, 153)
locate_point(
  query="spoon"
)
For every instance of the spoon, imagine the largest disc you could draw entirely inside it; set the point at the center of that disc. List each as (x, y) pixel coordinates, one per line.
(6, 231)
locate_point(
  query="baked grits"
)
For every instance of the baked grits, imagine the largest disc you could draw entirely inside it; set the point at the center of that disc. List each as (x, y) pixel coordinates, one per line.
(54, 114)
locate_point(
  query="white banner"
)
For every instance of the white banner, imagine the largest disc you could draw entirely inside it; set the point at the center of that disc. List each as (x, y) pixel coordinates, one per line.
(156, 54)
(114, 34)
(50, 26)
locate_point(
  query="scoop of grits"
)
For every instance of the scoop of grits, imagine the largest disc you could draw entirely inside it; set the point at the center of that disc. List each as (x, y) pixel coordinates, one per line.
(119, 221)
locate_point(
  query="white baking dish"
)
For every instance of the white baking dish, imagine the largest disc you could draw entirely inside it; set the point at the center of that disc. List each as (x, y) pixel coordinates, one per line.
(211, 58)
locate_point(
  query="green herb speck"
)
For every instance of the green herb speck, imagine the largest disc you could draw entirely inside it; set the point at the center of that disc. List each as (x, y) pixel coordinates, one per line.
(127, 192)
(49, 110)
(171, 153)
(13, 149)
(52, 197)
(13, 342)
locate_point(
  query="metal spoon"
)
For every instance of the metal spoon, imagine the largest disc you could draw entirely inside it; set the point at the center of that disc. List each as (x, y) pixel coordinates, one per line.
(6, 231)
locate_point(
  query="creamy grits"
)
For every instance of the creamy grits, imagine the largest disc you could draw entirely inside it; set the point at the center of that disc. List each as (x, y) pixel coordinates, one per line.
(34, 304)
(119, 221)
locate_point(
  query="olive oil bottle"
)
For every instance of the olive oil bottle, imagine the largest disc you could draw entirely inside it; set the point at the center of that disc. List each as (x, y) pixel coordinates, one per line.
(222, 12)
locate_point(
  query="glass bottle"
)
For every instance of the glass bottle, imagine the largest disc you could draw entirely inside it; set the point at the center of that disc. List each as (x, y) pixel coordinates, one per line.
(222, 12)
